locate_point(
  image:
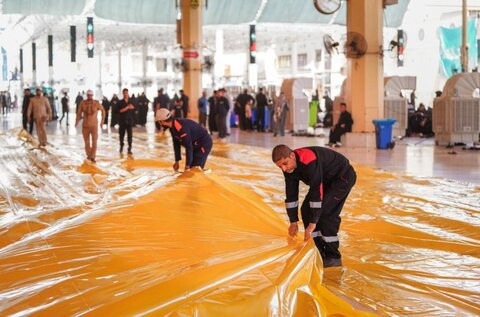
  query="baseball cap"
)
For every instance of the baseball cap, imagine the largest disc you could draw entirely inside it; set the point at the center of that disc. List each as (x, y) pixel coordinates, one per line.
(162, 114)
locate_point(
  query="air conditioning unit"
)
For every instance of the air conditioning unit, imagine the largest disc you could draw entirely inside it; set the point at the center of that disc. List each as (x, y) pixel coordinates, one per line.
(397, 108)
(456, 114)
(394, 105)
(298, 116)
(456, 120)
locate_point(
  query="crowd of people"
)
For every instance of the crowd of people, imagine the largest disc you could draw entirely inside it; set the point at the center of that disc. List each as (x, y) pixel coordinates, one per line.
(420, 122)
(259, 112)
(419, 118)
(7, 103)
(217, 113)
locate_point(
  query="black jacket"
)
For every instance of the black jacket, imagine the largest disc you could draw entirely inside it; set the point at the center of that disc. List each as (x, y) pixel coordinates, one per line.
(127, 117)
(261, 100)
(222, 106)
(26, 102)
(345, 118)
(317, 167)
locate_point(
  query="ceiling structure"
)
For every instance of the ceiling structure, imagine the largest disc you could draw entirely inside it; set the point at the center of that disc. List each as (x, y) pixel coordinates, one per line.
(120, 23)
(216, 12)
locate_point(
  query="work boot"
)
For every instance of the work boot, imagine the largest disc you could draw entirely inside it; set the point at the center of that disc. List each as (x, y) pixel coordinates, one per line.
(332, 262)
(121, 148)
(129, 150)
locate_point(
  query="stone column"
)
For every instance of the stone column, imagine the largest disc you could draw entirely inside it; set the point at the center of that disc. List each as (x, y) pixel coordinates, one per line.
(192, 43)
(365, 74)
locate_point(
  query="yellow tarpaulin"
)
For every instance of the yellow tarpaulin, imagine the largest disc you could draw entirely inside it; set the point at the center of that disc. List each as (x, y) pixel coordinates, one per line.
(127, 236)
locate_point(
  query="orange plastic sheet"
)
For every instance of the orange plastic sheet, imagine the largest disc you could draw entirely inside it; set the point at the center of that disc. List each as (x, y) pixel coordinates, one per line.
(127, 236)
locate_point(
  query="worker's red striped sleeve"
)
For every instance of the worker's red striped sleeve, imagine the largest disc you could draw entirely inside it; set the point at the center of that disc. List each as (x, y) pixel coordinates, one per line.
(306, 155)
(177, 124)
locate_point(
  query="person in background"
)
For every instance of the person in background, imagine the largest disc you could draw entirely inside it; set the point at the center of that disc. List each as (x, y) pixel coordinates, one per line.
(162, 101)
(222, 107)
(202, 109)
(420, 124)
(115, 113)
(412, 98)
(262, 103)
(280, 115)
(177, 107)
(212, 112)
(185, 101)
(4, 103)
(142, 109)
(88, 111)
(242, 100)
(106, 107)
(65, 109)
(26, 119)
(328, 119)
(328, 102)
(248, 115)
(39, 107)
(78, 99)
(228, 119)
(343, 126)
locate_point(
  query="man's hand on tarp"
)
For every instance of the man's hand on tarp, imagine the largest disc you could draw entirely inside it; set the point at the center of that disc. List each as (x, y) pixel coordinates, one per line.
(308, 230)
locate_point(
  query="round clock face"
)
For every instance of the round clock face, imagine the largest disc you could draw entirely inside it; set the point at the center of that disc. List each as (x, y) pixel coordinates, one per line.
(327, 6)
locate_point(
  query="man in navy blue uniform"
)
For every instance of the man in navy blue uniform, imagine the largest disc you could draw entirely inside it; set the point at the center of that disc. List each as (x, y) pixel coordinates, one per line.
(191, 135)
(330, 178)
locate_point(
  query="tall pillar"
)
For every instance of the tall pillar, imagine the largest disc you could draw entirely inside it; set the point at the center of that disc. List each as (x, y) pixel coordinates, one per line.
(252, 66)
(22, 82)
(477, 60)
(365, 74)
(34, 64)
(119, 72)
(144, 65)
(464, 58)
(192, 43)
(219, 67)
(72, 74)
(50, 61)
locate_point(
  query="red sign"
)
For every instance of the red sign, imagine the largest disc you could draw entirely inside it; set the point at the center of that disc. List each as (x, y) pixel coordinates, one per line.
(190, 54)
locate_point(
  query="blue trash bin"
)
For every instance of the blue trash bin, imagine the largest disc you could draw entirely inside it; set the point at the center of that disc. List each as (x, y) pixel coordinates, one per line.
(383, 133)
(266, 124)
(233, 119)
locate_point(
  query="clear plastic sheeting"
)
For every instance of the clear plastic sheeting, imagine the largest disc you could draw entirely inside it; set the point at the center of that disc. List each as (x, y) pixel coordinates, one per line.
(128, 236)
